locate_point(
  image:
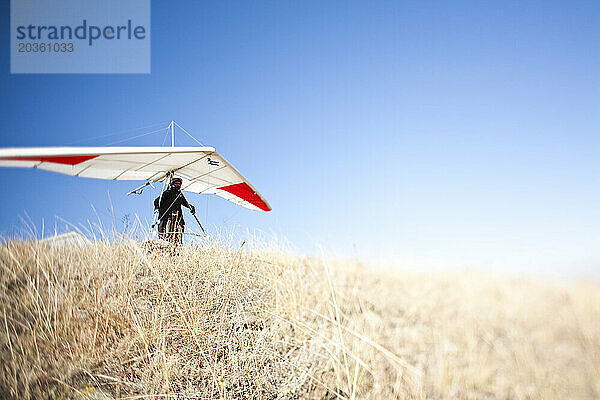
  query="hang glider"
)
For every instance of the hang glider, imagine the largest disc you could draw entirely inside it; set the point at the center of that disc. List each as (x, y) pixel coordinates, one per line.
(202, 169)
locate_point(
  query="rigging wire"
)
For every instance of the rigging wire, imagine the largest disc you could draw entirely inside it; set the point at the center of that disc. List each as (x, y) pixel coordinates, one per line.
(187, 133)
(115, 133)
(166, 136)
(135, 137)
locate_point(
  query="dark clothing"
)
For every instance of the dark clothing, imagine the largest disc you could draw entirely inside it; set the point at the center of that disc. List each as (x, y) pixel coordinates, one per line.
(162, 226)
(170, 201)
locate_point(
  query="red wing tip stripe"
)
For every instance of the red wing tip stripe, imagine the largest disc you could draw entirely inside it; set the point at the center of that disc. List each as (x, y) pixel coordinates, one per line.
(245, 192)
(66, 160)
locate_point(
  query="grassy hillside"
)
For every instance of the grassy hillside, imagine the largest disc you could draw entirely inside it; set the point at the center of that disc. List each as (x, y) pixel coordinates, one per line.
(114, 321)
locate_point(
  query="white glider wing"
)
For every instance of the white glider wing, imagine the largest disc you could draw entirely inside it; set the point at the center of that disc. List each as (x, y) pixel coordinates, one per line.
(202, 169)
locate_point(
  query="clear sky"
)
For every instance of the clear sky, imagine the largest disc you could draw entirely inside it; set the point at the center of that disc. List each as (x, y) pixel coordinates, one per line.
(423, 134)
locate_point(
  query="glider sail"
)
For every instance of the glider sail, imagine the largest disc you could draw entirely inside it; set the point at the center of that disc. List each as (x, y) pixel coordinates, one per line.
(202, 169)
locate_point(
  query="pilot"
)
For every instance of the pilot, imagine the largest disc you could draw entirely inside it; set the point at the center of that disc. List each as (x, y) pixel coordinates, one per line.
(169, 204)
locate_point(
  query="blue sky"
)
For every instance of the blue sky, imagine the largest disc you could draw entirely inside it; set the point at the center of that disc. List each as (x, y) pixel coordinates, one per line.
(439, 134)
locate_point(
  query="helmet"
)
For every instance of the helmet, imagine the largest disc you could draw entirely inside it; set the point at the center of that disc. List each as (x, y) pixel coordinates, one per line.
(176, 183)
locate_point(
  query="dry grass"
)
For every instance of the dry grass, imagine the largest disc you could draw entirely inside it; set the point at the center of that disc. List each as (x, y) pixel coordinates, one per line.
(112, 321)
